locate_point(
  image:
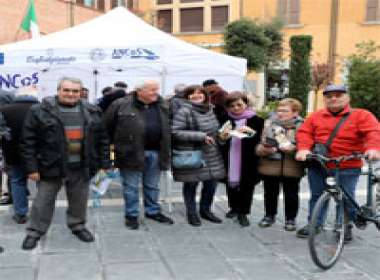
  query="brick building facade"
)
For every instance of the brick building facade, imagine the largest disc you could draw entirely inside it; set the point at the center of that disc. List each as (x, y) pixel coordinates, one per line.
(52, 15)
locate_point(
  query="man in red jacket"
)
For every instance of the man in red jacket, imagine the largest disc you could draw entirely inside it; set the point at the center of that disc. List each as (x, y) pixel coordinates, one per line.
(359, 133)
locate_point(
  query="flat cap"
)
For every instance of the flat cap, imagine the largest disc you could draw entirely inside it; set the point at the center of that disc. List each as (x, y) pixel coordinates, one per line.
(335, 88)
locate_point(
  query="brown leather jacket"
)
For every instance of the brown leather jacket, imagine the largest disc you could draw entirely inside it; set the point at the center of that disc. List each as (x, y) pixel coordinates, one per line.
(279, 163)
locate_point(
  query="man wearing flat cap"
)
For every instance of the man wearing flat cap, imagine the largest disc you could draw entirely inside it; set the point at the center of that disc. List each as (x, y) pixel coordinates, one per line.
(358, 132)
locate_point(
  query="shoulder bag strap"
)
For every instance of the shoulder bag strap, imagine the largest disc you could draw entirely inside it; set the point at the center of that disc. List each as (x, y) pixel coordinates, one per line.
(336, 129)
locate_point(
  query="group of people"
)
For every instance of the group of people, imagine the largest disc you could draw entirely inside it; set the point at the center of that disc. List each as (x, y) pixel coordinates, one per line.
(65, 140)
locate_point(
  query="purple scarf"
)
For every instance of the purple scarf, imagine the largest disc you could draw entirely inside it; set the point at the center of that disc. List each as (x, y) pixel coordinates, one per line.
(234, 168)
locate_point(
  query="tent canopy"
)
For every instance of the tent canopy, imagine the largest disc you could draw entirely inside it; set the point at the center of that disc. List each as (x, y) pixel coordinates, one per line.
(111, 47)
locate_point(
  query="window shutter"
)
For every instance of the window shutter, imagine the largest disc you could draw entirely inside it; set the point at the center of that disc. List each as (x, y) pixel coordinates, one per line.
(372, 10)
(161, 2)
(294, 12)
(192, 20)
(219, 16)
(282, 10)
(190, 1)
(101, 5)
(164, 20)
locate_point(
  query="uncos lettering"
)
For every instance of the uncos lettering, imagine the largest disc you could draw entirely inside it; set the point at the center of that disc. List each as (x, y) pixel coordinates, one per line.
(17, 80)
(134, 54)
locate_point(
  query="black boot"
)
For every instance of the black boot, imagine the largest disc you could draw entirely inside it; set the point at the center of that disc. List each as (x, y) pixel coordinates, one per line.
(209, 216)
(243, 220)
(194, 220)
(348, 234)
(30, 242)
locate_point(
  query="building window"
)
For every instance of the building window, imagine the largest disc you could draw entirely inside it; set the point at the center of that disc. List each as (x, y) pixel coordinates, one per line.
(118, 3)
(191, 20)
(89, 3)
(289, 11)
(219, 17)
(95, 4)
(372, 10)
(190, 1)
(165, 20)
(101, 5)
(162, 2)
(192, 15)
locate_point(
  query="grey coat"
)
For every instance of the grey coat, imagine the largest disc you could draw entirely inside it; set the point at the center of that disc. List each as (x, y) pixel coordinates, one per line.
(191, 124)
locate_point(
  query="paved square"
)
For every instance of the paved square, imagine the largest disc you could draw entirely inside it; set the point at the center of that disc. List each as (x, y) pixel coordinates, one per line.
(155, 251)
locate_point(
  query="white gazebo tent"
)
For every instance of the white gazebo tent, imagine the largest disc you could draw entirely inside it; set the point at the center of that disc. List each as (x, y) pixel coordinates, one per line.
(115, 46)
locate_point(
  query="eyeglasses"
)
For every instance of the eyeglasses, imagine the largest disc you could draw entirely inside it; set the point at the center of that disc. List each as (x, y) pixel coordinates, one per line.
(284, 110)
(67, 90)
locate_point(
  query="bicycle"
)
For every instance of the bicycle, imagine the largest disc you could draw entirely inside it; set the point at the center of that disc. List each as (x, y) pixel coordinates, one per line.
(326, 238)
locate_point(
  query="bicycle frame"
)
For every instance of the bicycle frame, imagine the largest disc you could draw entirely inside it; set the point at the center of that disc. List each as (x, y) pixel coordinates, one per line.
(348, 199)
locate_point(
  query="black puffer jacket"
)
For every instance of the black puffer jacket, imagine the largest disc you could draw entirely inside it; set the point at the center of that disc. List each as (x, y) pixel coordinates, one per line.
(14, 115)
(125, 122)
(43, 145)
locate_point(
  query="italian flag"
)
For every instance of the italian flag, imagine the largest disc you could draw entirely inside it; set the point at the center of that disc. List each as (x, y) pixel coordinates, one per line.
(29, 23)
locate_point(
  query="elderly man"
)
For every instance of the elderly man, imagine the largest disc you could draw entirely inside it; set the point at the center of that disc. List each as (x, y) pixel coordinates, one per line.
(139, 127)
(64, 142)
(359, 133)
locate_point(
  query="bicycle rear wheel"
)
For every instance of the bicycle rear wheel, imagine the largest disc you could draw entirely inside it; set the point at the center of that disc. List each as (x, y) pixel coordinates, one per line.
(326, 238)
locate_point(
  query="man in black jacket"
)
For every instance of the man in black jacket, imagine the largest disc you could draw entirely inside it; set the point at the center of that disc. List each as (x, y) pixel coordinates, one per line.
(139, 127)
(14, 115)
(6, 97)
(65, 142)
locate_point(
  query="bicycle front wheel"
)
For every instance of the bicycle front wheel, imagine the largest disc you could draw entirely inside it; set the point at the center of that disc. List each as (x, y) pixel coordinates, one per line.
(326, 237)
(375, 203)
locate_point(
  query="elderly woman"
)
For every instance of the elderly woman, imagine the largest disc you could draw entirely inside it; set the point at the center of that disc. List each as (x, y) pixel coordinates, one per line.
(239, 154)
(277, 163)
(195, 127)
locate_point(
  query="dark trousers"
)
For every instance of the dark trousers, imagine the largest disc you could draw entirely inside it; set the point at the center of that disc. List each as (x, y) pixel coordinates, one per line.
(207, 196)
(290, 187)
(77, 189)
(240, 198)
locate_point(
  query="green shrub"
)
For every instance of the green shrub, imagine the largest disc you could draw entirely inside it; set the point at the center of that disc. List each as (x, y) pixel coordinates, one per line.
(299, 72)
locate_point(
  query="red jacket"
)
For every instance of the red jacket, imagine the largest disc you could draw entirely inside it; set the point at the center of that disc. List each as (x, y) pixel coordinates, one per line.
(359, 133)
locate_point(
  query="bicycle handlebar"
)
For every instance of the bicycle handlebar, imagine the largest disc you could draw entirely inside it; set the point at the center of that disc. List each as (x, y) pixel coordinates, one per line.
(336, 160)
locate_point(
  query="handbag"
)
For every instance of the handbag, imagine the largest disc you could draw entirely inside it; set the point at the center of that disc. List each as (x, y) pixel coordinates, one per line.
(187, 159)
(323, 149)
(191, 158)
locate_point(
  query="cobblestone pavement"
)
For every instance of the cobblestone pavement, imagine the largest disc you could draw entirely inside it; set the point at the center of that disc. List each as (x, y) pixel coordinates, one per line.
(155, 251)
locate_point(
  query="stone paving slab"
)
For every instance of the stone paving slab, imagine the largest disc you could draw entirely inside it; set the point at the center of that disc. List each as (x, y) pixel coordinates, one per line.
(156, 251)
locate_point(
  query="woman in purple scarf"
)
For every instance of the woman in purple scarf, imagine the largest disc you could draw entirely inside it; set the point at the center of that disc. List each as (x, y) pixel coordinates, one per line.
(239, 155)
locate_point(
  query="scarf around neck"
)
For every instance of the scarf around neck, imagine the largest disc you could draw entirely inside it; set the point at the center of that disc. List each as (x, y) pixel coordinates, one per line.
(234, 168)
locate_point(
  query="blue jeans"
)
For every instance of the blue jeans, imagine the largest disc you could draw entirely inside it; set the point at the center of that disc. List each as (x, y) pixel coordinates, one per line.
(150, 180)
(317, 176)
(207, 196)
(18, 181)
